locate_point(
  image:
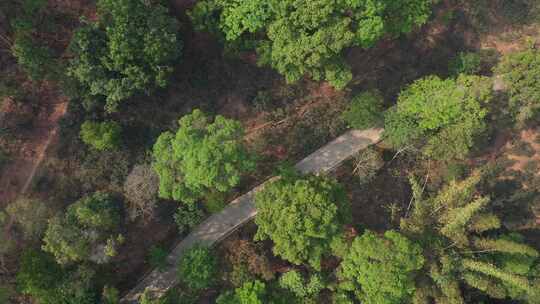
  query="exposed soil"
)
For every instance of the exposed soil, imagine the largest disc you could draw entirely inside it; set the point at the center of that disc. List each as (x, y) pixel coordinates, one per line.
(17, 176)
(520, 161)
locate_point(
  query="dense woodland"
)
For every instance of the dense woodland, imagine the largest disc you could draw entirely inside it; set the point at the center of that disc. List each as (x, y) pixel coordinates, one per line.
(125, 123)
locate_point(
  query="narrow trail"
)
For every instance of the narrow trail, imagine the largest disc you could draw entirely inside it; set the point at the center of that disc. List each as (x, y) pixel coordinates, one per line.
(18, 175)
(242, 210)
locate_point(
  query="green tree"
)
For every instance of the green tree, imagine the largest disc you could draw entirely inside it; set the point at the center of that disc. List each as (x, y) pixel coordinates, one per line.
(250, 293)
(78, 286)
(33, 56)
(200, 158)
(382, 269)
(198, 268)
(444, 117)
(87, 230)
(103, 136)
(48, 283)
(521, 76)
(365, 110)
(303, 216)
(130, 50)
(309, 37)
(299, 286)
(462, 242)
(35, 60)
(39, 275)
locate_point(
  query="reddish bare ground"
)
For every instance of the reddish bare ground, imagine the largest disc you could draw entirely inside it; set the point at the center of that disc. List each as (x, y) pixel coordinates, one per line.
(17, 176)
(520, 162)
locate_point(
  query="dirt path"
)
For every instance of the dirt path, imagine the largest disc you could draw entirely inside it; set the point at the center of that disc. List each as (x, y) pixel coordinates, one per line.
(242, 210)
(17, 177)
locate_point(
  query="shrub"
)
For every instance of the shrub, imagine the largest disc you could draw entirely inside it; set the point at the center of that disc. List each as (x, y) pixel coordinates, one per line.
(244, 254)
(465, 63)
(4, 158)
(187, 216)
(239, 275)
(455, 171)
(521, 74)
(157, 257)
(10, 87)
(30, 216)
(110, 295)
(365, 110)
(104, 170)
(214, 202)
(5, 294)
(516, 10)
(198, 268)
(7, 244)
(141, 188)
(103, 136)
(262, 101)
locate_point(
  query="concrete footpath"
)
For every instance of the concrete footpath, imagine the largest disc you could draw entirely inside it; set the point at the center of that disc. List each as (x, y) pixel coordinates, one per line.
(242, 210)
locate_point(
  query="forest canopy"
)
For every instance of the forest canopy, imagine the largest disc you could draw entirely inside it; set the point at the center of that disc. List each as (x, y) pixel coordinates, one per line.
(131, 49)
(299, 38)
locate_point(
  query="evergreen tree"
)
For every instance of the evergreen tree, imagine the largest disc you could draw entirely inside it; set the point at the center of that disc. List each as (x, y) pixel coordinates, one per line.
(442, 117)
(201, 158)
(131, 49)
(452, 226)
(308, 37)
(381, 270)
(303, 216)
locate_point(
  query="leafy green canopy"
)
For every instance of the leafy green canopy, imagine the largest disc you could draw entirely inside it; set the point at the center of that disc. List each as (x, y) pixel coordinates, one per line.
(88, 224)
(521, 75)
(303, 216)
(444, 117)
(466, 63)
(463, 243)
(36, 60)
(249, 293)
(299, 37)
(365, 110)
(200, 158)
(381, 269)
(48, 283)
(130, 50)
(198, 268)
(33, 56)
(299, 286)
(101, 135)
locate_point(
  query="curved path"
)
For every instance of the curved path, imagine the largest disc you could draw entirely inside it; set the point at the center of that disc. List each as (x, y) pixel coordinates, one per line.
(242, 209)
